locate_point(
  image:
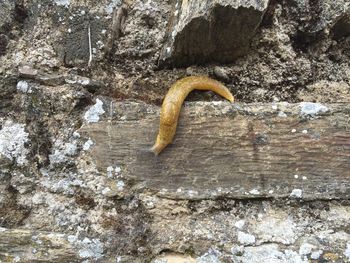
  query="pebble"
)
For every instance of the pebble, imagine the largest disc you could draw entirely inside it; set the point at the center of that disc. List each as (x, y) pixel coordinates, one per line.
(27, 71)
(221, 74)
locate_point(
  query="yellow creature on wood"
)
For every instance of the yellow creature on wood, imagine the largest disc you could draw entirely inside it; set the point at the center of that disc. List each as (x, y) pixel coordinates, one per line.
(173, 101)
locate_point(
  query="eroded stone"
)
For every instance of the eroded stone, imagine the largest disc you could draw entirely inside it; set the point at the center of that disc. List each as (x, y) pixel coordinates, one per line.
(211, 31)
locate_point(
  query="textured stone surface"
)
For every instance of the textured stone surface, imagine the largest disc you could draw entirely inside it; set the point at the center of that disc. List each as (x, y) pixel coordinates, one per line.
(322, 14)
(56, 205)
(7, 8)
(203, 31)
(342, 27)
(6, 17)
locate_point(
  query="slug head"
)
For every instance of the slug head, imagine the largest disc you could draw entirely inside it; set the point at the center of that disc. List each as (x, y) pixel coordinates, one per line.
(230, 98)
(159, 145)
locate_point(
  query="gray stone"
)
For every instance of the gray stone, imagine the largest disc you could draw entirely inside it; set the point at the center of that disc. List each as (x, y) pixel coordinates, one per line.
(321, 15)
(27, 71)
(342, 26)
(51, 79)
(7, 8)
(221, 74)
(211, 31)
(76, 47)
(3, 44)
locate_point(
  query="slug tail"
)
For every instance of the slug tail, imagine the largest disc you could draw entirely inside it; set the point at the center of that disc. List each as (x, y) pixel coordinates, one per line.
(205, 83)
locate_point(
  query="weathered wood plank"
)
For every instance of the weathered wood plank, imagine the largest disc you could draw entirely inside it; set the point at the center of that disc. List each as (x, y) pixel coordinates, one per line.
(241, 151)
(21, 245)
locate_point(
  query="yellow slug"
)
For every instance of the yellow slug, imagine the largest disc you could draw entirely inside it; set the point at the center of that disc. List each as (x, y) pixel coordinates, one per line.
(172, 103)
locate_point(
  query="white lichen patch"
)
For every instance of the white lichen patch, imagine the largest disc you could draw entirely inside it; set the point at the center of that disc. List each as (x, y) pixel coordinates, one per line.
(338, 214)
(117, 170)
(269, 253)
(37, 240)
(216, 103)
(87, 248)
(38, 198)
(106, 191)
(306, 248)
(212, 256)
(174, 258)
(94, 112)
(347, 251)
(64, 213)
(63, 185)
(237, 250)
(254, 192)
(62, 2)
(283, 230)
(12, 142)
(316, 254)
(120, 185)
(109, 8)
(296, 193)
(23, 86)
(330, 236)
(23, 184)
(149, 201)
(62, 151)
(192, 193)
(111, 171)
(239, 224)
(88, 144)
(245, 239)
(76, 135)
(282, 114)
(312, 109)
(161, 260)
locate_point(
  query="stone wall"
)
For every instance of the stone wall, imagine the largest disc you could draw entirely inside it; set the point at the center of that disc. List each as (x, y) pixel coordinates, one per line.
(65, 64)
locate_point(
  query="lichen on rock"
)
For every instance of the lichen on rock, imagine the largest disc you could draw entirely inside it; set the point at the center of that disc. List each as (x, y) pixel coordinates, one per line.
(13, 139)
(77, 182)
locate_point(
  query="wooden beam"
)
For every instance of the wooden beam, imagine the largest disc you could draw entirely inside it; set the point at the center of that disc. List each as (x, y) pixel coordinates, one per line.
(234, 150)
(21, 245)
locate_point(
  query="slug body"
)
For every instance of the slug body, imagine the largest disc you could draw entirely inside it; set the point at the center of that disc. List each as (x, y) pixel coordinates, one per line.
(173, 101)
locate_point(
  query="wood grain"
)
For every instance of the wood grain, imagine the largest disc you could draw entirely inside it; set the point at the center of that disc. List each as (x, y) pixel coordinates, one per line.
(21, 245)
(233, 150)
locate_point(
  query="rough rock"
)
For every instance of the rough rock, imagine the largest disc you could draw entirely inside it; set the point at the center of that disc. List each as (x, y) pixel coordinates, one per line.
(323, 15)
(342, 27)
(7, 8)
(202, 31)
(58, 205)
(6, 17)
